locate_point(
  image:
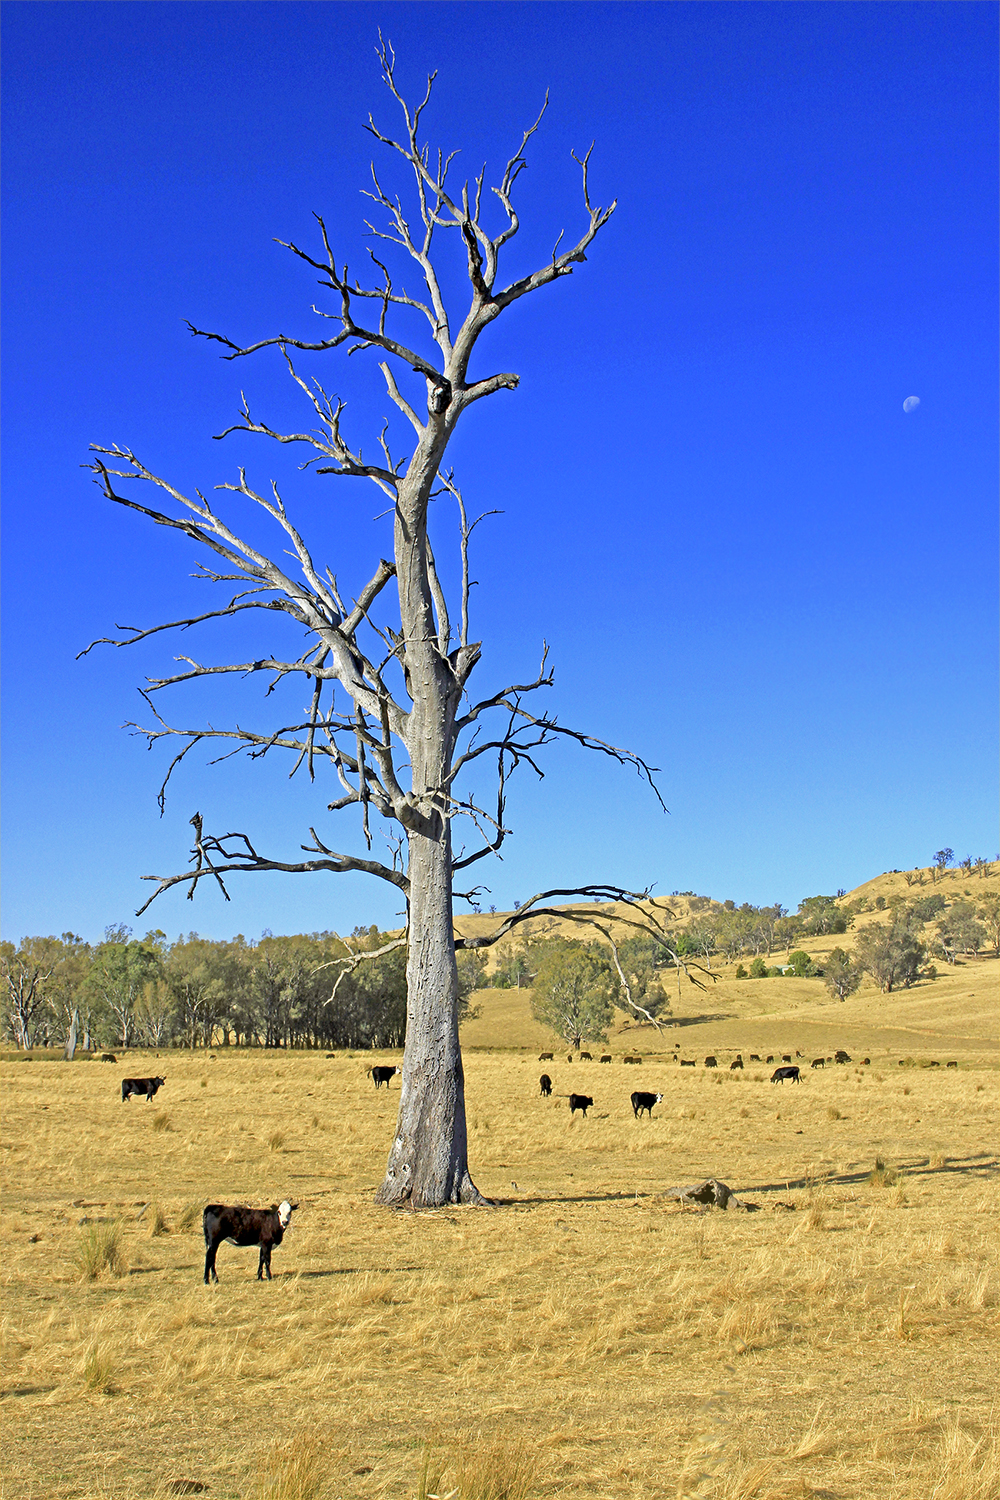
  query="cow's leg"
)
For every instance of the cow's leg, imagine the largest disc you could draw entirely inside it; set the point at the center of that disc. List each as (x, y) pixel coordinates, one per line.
(210, 1264)
(265, 1262)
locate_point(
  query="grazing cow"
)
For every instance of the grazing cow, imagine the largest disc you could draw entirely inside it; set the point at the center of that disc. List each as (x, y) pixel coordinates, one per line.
(645, 1102)
(738, 1063)
(245, 1226)
(107, 1057)
(382, 1075)
(545, 1083)
(147, 1086)
(769, 1058)
(935, 1064)
(606, 1057)
(545, 1057)
(786, 1057)
(754, 1057)
(586, 1057)
(580, 1102)
(636, 1061)
(841, 1056)
(711, 1062)
(685, 1063)
(947, 1065)
(780, 1074)
(818, 1062)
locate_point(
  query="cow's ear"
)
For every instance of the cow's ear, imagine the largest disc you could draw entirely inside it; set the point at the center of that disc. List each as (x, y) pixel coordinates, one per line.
(293, 1206)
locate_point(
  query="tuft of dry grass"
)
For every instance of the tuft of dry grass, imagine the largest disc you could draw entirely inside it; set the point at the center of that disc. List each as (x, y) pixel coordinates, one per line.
(276, 1140)
(158, 1222)
(500, 1469)
(161, 1121)
(189, 1216)
(99, 1248)
(295, 1469)
(99, 1371)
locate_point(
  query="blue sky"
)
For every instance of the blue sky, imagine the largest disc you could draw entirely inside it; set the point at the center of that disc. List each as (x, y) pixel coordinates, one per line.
(751, 566)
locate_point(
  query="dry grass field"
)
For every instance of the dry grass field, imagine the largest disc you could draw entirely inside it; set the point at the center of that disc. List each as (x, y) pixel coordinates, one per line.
(585, 1337)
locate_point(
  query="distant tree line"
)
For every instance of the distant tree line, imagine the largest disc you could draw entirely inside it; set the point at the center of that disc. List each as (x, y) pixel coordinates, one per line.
(196, 992)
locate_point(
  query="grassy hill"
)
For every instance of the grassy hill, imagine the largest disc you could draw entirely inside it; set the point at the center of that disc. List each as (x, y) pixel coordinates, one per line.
(954, 1012)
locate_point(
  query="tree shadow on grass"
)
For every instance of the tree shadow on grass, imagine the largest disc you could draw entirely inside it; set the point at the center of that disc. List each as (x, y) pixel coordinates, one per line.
(982, 1166)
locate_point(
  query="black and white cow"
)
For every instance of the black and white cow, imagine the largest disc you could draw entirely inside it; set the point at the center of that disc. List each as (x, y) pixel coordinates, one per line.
(245, 1226)
(641, 1101)
(382, 1075)
(581, 1102)
(147, 1086)
(780, 1074)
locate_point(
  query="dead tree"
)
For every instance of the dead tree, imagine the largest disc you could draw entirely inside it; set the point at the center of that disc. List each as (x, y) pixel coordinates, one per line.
(403, 726)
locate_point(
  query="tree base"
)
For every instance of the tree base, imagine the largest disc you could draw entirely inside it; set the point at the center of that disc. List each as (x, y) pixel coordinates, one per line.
(396, 1194)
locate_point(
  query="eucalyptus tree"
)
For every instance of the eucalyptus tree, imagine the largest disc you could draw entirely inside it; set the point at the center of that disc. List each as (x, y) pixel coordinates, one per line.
(404, 725)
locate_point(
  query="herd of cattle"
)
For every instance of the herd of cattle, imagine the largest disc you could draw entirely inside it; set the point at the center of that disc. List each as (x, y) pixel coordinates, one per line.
(265, 1227)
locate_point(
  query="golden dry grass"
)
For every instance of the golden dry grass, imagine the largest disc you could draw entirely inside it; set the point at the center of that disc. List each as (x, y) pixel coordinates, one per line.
(583, 1338)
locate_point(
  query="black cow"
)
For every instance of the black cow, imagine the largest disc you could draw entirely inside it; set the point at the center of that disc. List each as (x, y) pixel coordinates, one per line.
(635, 1061)
(580, 1102)
(147, 1086)
(786, 1057)
(546, 1084)
(818, 1062)
(841, 1056)
(245, 1226)
(107, 1057)
(586, 1057)
(606, 1057)
(711, 1062)
(770, 1057)
(754, 1057)
(687, 1063)
(382, 1075)
(737, 1064)
(780, 1074)
(645, 1102)
(947, 1065)
(545, 1057)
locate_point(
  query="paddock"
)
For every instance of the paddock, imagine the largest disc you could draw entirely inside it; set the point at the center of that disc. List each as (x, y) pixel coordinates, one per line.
(839, 1339)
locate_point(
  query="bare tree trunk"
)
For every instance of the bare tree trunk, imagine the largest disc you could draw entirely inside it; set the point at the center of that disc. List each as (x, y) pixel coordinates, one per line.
(74, 1026)
(429, 1158)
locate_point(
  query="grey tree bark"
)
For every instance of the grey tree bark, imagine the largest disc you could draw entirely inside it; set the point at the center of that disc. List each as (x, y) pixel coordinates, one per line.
(382, 742)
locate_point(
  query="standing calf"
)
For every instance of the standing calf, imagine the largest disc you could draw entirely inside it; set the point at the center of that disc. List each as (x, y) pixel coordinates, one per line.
(245, 1226)
(580, 1102)
(645, 1102)
(147, 1086)
(382, 1075)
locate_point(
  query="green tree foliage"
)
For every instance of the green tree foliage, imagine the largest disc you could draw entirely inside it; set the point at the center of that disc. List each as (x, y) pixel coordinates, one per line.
(759, 969)
(801, 965)
(574, 992)
(989, 914)
(960, 930)
(120, 968)
(891, 954)
(820, 915)
(841, 974)
(645, 963)
(926, 908)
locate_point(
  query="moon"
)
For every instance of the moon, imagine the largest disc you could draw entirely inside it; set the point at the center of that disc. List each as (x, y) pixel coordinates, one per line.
(911, 403)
